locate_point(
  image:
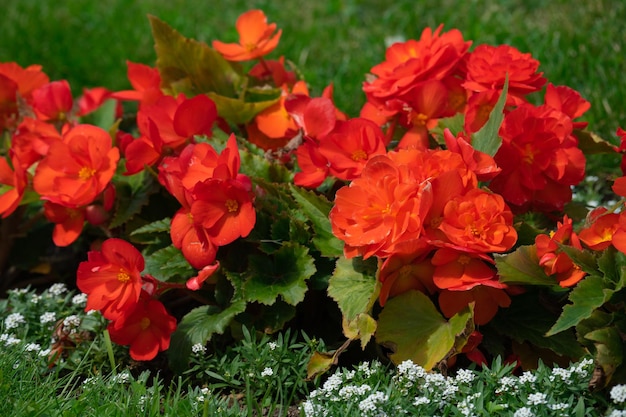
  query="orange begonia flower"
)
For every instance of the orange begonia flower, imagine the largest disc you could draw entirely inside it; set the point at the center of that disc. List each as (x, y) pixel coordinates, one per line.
(486, 301)
(599, 234)
(482, 164)
(479, 221)
(256, 38)
(556, 262)
(568, 101)
(147, 328)
(460, 271)
(111, 278)
(31, 140)
(192, 240)
(78, 168)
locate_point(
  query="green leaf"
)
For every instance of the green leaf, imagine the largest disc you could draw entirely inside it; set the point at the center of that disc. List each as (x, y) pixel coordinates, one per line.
(354, 286)
(133, 193)
(237, 111)
(316, 207)
(198, 326)
(189, 66)
(609, 350)
(158, 226)
(168, 264)
(487, 139)
(103, 116)
(590, 143)
(255, 165)
(284, 273)
(522, 267)
(590, 294)
(412, 328)
(362, 327)
(528, 318)
(454, 123)
(583, 258)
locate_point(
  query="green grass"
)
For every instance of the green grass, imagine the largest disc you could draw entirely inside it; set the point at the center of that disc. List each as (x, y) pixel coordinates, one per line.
(579, 44)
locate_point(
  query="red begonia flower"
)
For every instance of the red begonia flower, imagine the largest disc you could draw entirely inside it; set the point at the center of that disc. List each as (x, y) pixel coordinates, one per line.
(93, 98)
(68, 222)
(350, 146)
(147, 328)
(146, 82)
(460, 271)
(313, 165)
(111, 278)
(568, 101)
(16, 80)
(31, 140)
(483, 165)
(78, 168)
(273, 72)
(256, 38)
(487, 67)
(53, 101)
(192, 240)
(13, 181)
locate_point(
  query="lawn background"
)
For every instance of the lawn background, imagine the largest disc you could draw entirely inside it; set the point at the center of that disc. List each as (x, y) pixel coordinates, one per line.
(579, 43)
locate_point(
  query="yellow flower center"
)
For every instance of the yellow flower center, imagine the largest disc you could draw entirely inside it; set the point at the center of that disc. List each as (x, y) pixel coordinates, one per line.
(420, 119)
(464, 259)
(123, 276)
(86, 172)
(232, 206)
(145, 323)
(359, 155)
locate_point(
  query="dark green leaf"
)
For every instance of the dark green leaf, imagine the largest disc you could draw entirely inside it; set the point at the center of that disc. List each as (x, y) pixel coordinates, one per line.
(168, 264)
(589, 295)
(316, 207)
(487, 139)
(133, 193)
(159, 226)
(590, 143)
(198, 326)
(284, 273)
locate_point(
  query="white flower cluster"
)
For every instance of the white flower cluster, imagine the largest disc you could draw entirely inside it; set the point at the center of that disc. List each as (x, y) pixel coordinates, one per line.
(267, 372)
(79, 300)
(57, 290)
(198, 348)
(48, 317)
(14, 320)
(618, 394)
(9, 339)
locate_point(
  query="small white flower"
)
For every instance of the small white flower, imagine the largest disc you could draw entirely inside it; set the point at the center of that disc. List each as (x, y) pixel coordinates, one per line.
(410, 370)
(121, 378)
(564, 374)
(32, 347)
(558, 406)
(13, 320)
(524, 412)
(272, 345)
(44, 352)
(537, 398)
(90, 381)
(57, 289)
(198, 348)
(506, 383)
(71, 322)
(421, 400)
(370, 404)
(35, 298)
(618, 394)
(267, 372)
(617, 413)
(465, 376)
(48, 317)
(11, 341)
(79, 299)
(527, 377)
(332, 383)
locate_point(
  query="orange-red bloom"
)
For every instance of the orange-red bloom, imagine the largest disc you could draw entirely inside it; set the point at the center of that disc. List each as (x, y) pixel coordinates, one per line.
(256, 38)
(147, 328)
(78, 168)
(599, 234)
(479, 221)
(556, 262)
(13, 181)
(486, 301)
(68, 222)
(111, 278)
(539, 157)
(146, 82)
(17, 81)
(53, 102)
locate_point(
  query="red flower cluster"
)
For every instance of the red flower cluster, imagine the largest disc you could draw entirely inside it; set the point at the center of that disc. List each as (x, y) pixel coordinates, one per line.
(216, 203)
(68, 164)
(112, 280)
(422, 213)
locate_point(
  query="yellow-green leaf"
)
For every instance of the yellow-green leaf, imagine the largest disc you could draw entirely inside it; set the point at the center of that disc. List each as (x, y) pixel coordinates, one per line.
(362, 328)
(236, 110)
(413, 329)
(354, 286)
(189, 66)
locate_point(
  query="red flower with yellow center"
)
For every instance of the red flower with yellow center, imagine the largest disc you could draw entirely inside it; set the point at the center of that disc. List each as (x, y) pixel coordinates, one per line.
(111, 278)
(78, 168)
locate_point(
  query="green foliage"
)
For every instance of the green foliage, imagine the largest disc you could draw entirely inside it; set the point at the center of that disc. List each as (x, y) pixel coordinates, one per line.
(168, 265)
(354, 286)
(487, 139)
(522, 267)
(412, 328)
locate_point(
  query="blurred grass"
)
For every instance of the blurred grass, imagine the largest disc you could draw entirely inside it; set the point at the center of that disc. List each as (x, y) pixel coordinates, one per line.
(579, 44)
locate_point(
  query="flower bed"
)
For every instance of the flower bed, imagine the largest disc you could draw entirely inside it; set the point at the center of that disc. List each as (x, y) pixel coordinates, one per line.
(438, 225)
